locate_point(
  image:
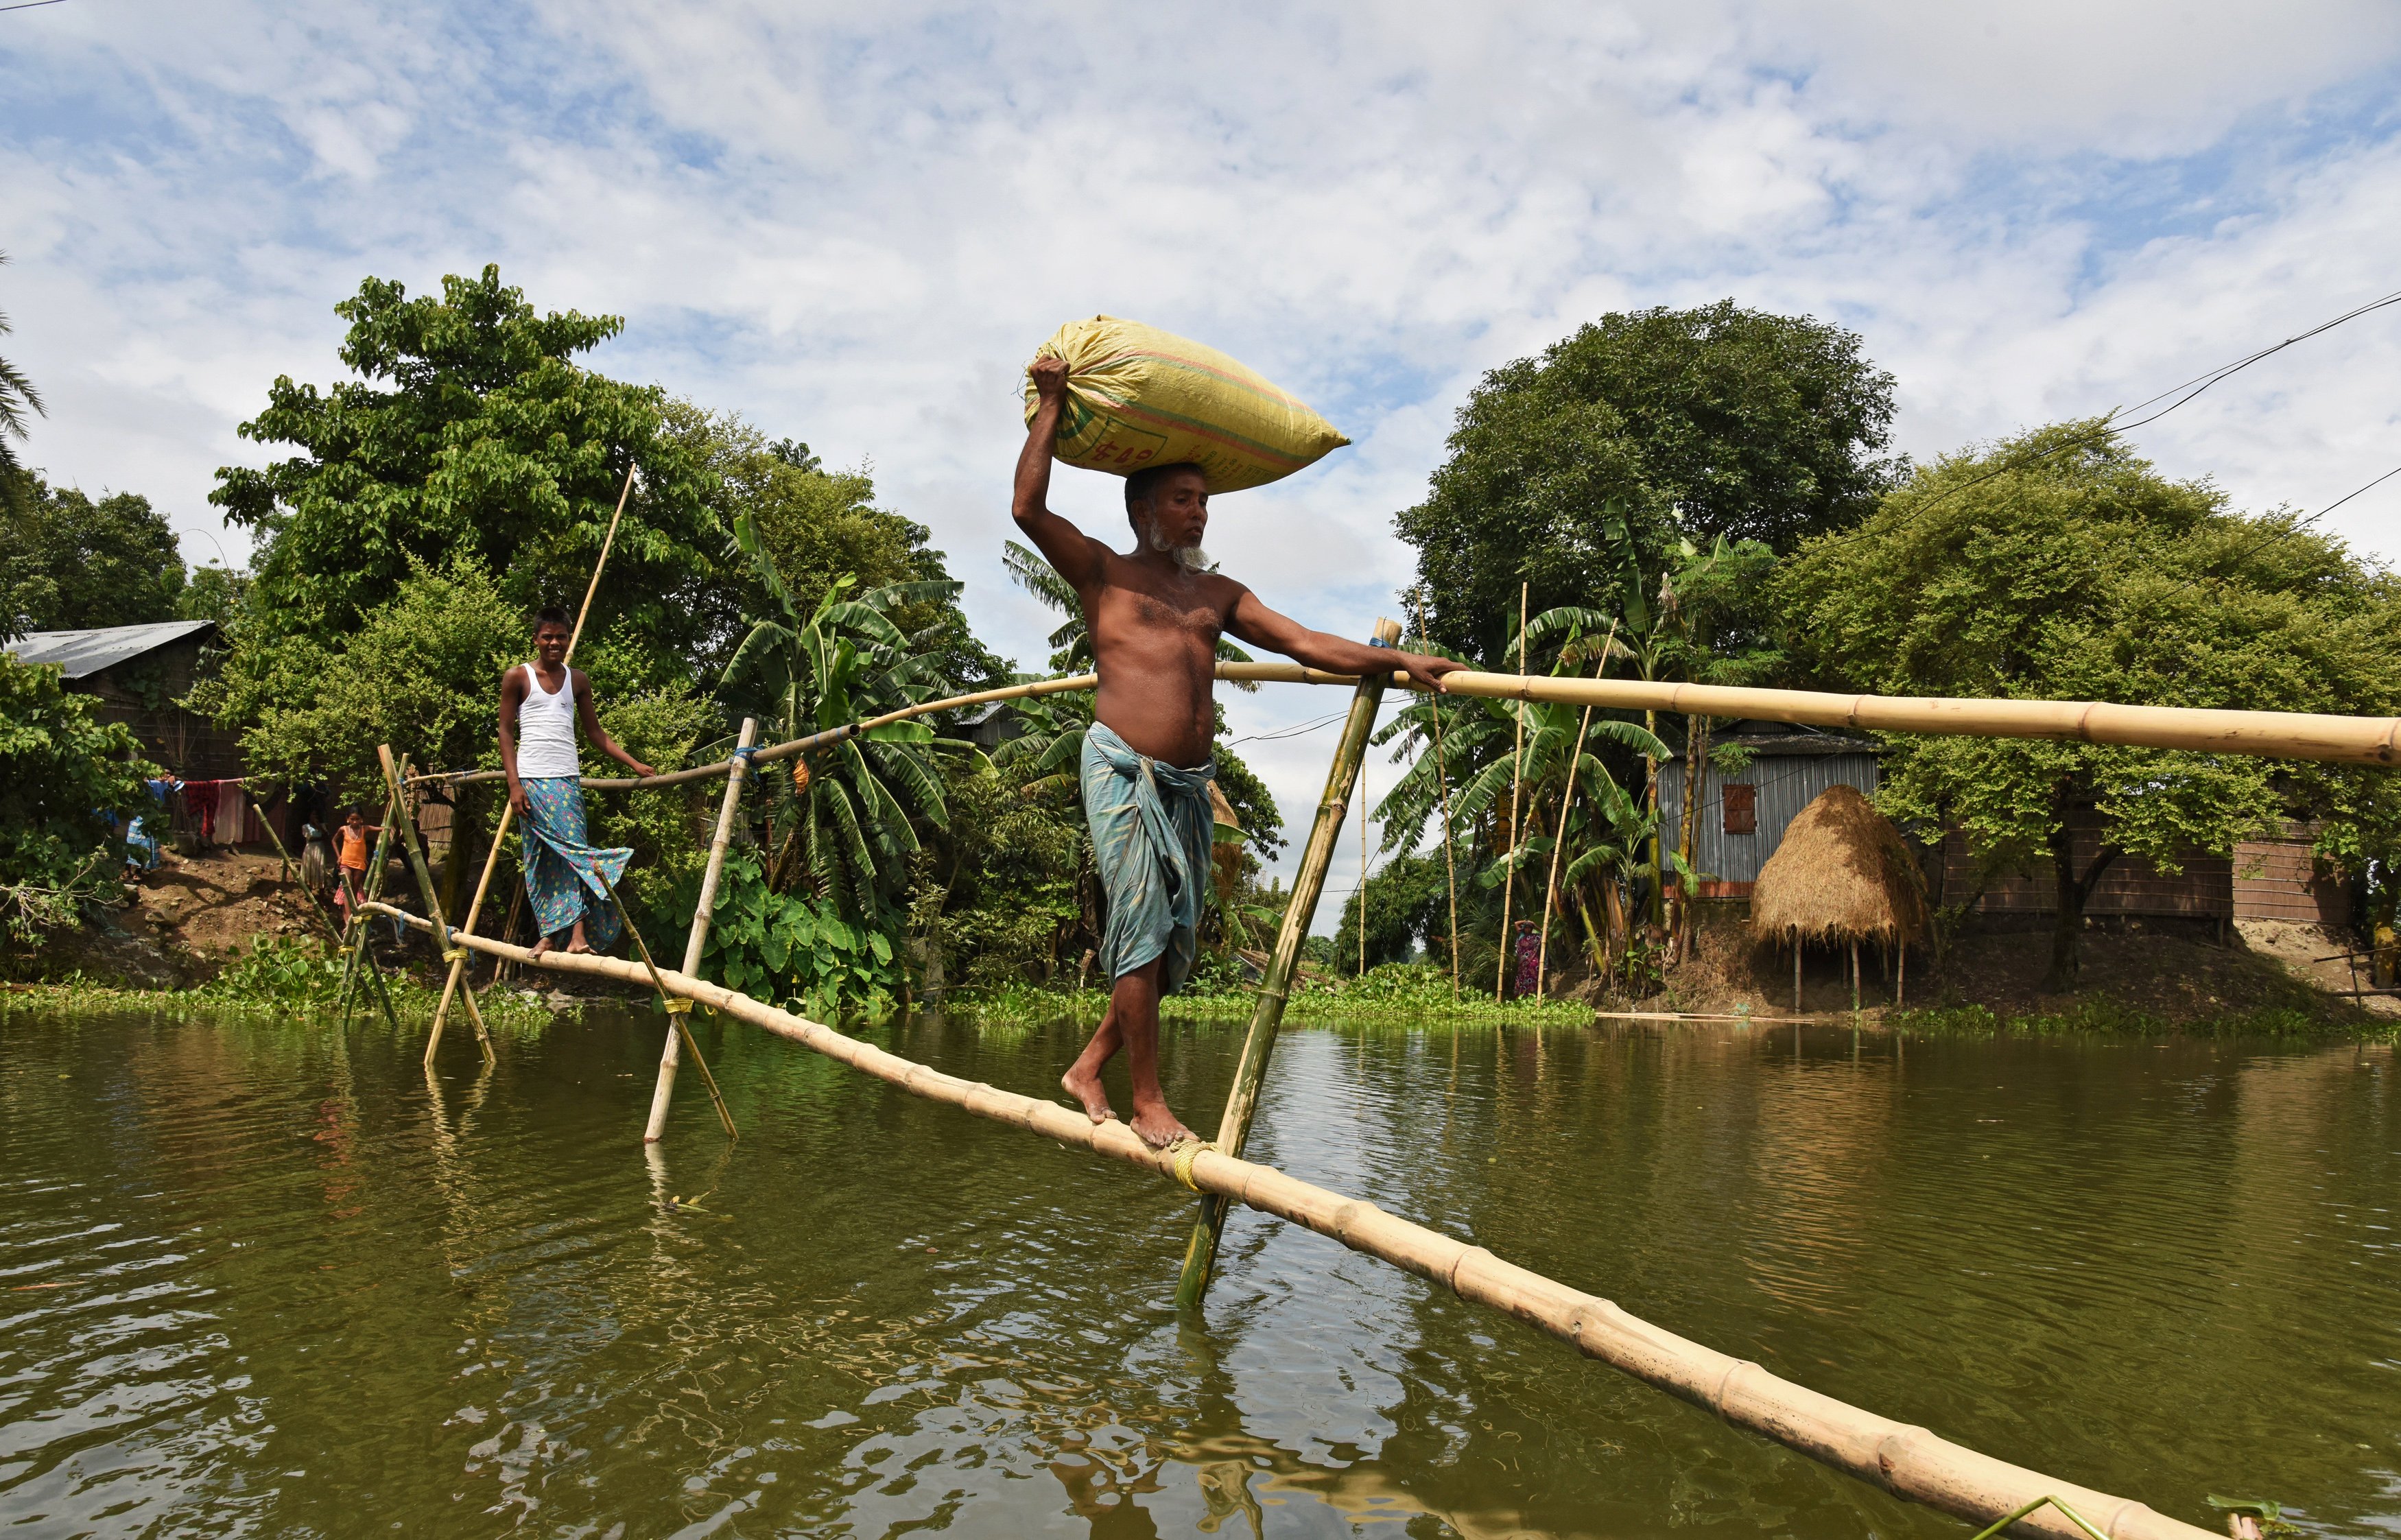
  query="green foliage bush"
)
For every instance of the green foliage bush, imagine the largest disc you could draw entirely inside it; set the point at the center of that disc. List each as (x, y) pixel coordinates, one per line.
(786, 948)
(64, 779)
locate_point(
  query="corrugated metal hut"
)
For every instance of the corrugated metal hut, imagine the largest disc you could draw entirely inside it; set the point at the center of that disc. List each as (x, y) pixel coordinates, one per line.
(1744, 816)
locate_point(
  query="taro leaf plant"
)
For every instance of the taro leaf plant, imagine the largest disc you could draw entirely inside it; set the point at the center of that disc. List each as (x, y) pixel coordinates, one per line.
(840, 822)
(791, 948)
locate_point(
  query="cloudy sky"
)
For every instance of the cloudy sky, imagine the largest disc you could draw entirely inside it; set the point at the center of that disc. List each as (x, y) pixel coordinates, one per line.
(853, 225)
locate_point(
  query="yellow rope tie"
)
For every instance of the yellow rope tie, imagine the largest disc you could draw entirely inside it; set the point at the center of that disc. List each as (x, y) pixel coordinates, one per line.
(678, 1006)
(457, 954)
(1183, 1154)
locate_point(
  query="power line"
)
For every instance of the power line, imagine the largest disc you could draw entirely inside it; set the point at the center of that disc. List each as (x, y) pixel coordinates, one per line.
(2184, 394)
(2285, 533)
(32, 5)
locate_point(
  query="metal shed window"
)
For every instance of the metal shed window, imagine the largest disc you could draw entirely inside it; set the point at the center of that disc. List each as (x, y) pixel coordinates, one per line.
(1741, 809)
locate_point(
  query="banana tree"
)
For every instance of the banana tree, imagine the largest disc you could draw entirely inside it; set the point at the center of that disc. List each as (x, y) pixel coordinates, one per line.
(842, 823)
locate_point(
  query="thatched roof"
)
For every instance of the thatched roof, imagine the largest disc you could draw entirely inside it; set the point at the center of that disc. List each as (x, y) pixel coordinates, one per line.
(1841, 875)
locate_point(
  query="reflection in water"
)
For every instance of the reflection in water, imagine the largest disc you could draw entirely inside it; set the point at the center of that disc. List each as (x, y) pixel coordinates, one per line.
(263, 1278)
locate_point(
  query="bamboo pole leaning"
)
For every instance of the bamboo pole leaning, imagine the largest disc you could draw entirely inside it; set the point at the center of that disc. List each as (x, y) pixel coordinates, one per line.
(362, 947)
(1906, 1461)
(696, 941)
(1517, 833)
(1442, 783)
(508, 809)
(452, 952)
(1559, 833)
(1308, 884)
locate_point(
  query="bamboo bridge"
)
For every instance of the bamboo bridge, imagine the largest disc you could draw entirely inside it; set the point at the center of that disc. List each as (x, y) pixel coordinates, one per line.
(1908, 1461)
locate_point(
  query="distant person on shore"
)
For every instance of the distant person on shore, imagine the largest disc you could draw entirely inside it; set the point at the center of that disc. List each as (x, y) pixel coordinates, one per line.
(352, 843)
(1155, 613)
(568, 881)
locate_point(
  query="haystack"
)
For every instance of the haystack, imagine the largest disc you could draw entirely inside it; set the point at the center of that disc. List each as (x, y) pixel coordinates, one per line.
(1842, 874)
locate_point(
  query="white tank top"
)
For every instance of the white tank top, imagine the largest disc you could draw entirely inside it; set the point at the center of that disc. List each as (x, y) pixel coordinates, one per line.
(546, 730)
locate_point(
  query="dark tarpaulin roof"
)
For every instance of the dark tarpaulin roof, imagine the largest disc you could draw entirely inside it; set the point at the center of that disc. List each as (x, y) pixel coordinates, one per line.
(83, 653)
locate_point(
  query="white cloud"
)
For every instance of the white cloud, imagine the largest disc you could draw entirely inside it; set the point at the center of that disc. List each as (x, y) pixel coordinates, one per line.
(854, 225)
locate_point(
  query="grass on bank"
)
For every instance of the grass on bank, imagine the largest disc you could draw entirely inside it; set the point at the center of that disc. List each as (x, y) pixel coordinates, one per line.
(2102, 1017)
(279, 976)
(1391, 993)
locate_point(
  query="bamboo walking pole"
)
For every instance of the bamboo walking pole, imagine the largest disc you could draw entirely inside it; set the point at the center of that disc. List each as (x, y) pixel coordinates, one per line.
(452, 952)
(1909, 1462)
(1363, 864)
(1559, 835)
(1516, 783)
(508, 810)
(1442, 782)
(697, 940)
(1308, 883)
(316, 904)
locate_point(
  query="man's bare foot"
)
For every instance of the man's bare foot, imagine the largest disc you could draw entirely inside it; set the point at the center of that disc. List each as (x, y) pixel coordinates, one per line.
(1087, 1089)
(577, 944)
(538, 948)
(1159, 1127)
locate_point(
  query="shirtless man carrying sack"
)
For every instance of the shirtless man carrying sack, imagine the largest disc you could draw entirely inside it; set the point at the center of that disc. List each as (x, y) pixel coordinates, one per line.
(1155, 614)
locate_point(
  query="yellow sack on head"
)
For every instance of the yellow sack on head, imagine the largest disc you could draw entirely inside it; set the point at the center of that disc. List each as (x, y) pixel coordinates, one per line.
(1138, 396)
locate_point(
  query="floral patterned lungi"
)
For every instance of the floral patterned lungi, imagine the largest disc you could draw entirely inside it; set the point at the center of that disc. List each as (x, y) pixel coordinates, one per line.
(565, 879)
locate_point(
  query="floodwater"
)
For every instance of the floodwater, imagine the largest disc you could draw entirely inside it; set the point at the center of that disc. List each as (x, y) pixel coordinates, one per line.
(258, 1278)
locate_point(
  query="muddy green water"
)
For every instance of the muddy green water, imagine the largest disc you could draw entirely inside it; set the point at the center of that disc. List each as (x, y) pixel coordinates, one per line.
(257, 1279)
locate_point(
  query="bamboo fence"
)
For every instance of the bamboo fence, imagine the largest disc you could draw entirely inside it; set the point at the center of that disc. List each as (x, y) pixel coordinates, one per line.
(1906, 1461)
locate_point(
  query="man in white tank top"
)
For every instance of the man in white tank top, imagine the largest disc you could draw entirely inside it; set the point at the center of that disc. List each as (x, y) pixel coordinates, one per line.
(568, 881)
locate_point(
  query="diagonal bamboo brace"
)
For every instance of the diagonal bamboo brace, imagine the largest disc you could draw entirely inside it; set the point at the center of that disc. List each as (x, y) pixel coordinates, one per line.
(697, 942)
(1234, 1128)
(677, 1008)
(425, 890)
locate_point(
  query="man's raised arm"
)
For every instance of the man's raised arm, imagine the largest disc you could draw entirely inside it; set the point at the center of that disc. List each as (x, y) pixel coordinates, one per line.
(1255, 623)
(1076, 554)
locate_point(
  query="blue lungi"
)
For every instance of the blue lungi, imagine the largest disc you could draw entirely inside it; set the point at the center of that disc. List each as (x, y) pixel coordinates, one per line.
(1152, 825)
(565, 879)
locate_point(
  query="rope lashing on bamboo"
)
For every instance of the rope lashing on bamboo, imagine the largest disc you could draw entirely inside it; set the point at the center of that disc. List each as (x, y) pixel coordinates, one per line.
(1907, 1461)
(1183, 1154)
(2269, 734)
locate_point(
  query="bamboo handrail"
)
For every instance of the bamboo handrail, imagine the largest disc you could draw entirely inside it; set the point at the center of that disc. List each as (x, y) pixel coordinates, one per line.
(1904, 1460)
(2267, 735)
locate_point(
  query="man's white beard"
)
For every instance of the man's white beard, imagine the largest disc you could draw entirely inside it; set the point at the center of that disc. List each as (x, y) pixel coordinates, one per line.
(1192, 558)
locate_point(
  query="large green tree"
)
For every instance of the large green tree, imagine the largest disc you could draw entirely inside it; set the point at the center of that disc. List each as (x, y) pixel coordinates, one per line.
(2061, 566)
(68, 562)
(1700, 423)
(470, 430)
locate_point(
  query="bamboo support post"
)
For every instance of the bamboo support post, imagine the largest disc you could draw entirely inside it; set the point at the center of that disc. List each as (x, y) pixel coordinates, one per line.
(697, 940)
(1516, 835)
(1911, 1463)
(1442, 783)
(1308, 883)
(1796, 969)
(668, 1003)
(451, 950)
(1855, 978)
